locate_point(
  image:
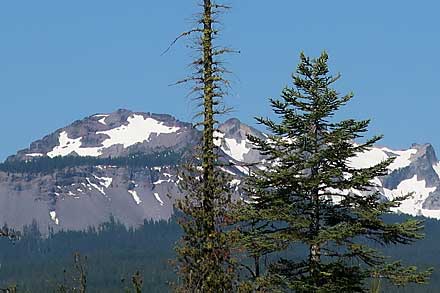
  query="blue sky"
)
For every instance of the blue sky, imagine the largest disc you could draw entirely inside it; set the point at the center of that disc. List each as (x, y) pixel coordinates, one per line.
(63, 60)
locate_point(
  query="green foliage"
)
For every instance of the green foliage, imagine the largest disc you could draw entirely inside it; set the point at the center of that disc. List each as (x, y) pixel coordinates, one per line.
(137, 281)
(47, 165)
(10, 289)
(43, 264)
(10, 234)
(203, 252)
(77, 282)
(36, 264)
(309, 196)
(204, 259)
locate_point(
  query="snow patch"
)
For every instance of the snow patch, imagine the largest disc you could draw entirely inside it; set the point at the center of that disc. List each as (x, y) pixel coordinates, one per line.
(218, 138)
(402, 158)
(99, 188)
(104, 181)
(68, 145)
(53, 217)
(35, 155)
(160, 181)
(135, 196)
(374, 156)
(139, 129)
(244, 170)
(156, 195)
(236, 150)
(102, 120)
(235, 182)
(414, 204)
(227, 171)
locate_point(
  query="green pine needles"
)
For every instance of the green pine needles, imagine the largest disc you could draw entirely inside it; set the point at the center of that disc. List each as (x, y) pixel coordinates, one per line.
(313, 222)
(320, 218)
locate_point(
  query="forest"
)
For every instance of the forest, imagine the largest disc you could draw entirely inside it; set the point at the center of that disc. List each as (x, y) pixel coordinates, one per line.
(46, 165)
(111, 253)
(114, 253)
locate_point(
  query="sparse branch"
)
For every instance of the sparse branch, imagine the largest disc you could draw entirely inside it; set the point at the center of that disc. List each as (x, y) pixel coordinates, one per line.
(182, 35)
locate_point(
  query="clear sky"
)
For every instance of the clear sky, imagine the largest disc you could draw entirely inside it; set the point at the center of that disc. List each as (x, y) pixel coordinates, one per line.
(63, 60)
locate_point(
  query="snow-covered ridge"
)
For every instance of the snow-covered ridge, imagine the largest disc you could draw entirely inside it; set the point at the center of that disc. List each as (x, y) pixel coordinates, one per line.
(413, 205)
(125, 132)
(236, 149)
(231, 138)
(414, 171)
(138, 129)
(377, 155)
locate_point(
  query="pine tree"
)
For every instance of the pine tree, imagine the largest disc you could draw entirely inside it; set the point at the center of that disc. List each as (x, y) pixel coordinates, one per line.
(204, 257)
(309, 201)
(137, 282)
(78, 282)
(9, 233)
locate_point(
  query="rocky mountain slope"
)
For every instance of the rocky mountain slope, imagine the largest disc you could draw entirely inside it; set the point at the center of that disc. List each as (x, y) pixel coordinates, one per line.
(74, 194)
(78, 194)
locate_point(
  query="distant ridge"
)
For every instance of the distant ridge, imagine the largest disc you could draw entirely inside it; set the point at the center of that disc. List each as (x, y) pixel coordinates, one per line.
(75, 196)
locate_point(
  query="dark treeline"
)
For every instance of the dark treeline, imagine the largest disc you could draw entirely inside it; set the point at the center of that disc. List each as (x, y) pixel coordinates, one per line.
(47, 165)
(423, 254)
(114, 253)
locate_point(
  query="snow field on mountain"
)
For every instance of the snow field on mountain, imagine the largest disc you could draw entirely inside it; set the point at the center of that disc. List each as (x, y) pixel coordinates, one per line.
(68, 145)
(374, 156)
(232, 147)
(235, 149)
(414, 204)
(138, 130)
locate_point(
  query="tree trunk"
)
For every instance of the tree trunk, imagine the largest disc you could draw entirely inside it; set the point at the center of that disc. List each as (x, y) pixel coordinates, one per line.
(208, 123)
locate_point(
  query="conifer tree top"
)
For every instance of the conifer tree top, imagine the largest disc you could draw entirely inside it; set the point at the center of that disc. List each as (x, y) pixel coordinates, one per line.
(310, 195)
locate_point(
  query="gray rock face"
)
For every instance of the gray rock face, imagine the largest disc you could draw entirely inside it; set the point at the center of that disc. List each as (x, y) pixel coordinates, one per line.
(421, 165)
(78, 197)
(420, 176)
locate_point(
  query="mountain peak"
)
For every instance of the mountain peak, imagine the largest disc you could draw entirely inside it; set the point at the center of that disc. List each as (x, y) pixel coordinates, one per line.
(426, 151)
(234, 128)
(114, 134)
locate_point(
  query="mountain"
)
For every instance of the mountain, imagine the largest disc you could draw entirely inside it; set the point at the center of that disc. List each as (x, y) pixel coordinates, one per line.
(125, 164)
(121, 164)
(116, 135)
(415, 170)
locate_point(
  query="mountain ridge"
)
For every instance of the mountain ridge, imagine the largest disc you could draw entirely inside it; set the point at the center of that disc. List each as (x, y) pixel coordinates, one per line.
(77, 196)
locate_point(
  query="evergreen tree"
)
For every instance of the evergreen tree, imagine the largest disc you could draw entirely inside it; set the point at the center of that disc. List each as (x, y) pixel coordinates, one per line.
(5, 232)
(309, 200)
(204, 257)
